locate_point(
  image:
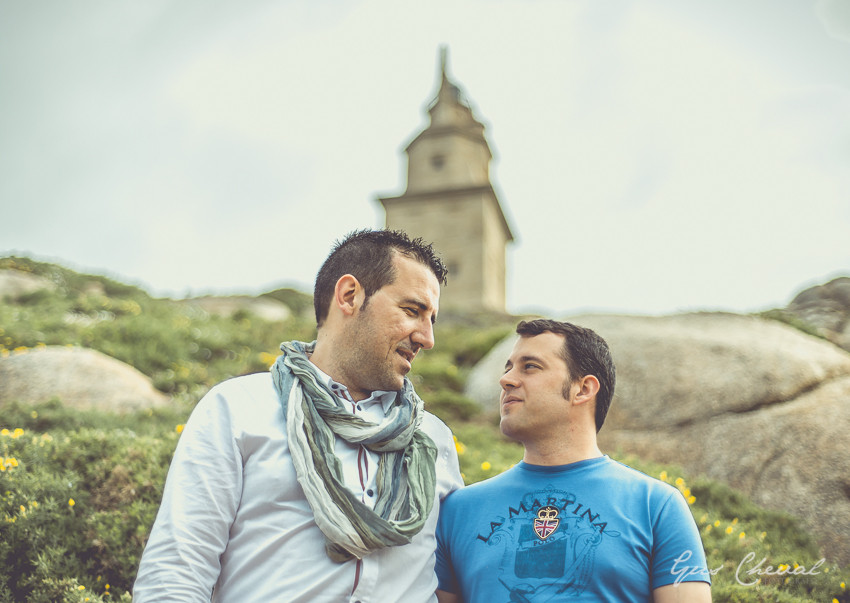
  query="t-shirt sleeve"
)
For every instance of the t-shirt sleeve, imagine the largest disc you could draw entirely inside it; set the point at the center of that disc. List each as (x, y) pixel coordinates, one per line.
(446, 578)
(678, 555)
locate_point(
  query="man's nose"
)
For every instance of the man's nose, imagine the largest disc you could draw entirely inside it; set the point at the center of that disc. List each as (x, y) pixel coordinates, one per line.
(423, 337)
(508, 380)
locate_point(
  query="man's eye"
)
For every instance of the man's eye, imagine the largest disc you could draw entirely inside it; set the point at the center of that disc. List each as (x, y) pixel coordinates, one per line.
(530, 366)
(412, 311)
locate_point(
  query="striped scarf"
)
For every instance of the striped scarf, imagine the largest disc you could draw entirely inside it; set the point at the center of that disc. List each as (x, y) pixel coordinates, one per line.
(406, 479)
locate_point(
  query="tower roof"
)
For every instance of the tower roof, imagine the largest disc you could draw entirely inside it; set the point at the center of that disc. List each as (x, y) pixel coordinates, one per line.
(449, 92)
(450, 110)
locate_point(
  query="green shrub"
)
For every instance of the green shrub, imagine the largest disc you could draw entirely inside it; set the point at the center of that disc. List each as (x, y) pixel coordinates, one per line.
(76, 509)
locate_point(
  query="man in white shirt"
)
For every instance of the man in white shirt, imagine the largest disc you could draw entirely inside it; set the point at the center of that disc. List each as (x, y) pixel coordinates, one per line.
(322, 479)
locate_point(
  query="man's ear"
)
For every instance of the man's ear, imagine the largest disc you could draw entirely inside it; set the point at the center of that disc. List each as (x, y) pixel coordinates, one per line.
(348, 294)
(588, 387)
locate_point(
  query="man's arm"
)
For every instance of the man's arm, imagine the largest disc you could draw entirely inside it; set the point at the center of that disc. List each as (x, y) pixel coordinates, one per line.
(447, 597)
(181, 559)
(684, 592)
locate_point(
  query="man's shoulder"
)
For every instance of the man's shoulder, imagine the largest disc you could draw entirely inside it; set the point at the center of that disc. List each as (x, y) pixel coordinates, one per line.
(245, 382)
(483, 490)
(435, 428)
(638, 479)
(257, 386)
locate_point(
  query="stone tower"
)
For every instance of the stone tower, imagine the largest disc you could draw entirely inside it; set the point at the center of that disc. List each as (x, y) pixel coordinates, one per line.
(450, 201)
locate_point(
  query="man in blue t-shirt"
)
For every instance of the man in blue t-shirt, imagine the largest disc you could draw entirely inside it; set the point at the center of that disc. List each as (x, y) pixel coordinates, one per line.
(566, 523)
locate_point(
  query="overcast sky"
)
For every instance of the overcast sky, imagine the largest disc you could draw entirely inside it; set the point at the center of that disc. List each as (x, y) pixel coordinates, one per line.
(652, 156)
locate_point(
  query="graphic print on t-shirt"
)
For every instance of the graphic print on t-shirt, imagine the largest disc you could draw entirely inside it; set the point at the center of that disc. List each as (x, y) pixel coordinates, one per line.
(548, 543)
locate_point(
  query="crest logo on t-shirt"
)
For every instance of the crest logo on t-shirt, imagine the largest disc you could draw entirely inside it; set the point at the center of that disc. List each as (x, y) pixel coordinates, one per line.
(546, 522)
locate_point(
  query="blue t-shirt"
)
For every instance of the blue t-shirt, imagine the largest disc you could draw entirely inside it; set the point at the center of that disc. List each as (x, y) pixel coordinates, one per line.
(594, 530)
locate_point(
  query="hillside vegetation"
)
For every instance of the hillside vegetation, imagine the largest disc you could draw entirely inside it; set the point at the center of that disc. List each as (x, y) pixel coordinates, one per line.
(79, 490)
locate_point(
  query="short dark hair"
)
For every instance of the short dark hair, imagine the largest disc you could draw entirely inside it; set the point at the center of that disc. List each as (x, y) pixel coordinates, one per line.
(585, 353)
(367, 255)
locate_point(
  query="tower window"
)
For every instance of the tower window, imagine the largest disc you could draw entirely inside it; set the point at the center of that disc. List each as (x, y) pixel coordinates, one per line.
(438, 161)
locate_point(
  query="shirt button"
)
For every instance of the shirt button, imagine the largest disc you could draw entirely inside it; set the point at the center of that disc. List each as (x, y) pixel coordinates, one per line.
(370, 493)
(359, 407)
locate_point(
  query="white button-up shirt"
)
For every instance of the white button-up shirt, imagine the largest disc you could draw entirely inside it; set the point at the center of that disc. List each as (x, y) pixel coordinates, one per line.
(234, 525)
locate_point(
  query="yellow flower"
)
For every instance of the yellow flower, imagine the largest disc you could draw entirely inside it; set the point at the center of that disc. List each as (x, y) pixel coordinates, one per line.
(4, 432)
(34, 414)
(179, 428)
(742, 535)
(729, 530)
(663, 476)
(485, 466)
(268, 359)
(843, 585)
(106, 587)
(717, 524)
(708, 528)
(71, 502)
(692, 500)
(680, 482)
(17, 433)
(81, 587)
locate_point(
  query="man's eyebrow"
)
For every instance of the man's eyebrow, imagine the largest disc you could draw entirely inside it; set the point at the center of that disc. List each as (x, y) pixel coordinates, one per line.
(526, 358)
(421, 305)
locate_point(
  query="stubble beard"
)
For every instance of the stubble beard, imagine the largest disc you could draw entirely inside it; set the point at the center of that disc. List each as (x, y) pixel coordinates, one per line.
(372, 371)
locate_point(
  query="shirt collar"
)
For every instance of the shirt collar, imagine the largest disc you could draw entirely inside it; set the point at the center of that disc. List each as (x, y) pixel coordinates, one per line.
(384, 398)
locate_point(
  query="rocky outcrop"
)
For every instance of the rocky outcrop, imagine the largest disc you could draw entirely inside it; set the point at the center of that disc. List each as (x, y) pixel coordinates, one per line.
(754, 403)
(826, 308)
(262, 307)
(15, 283)
(78, 377)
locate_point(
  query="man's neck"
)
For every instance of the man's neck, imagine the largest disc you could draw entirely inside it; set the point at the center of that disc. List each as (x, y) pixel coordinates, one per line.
(562, 450)
(326, 362)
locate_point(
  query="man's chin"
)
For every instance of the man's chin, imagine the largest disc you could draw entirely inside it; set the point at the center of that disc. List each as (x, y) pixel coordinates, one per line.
(392, 384)
(506, 428)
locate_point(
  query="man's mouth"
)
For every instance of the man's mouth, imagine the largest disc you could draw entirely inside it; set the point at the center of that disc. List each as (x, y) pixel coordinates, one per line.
(510, 400)
(406, 354)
